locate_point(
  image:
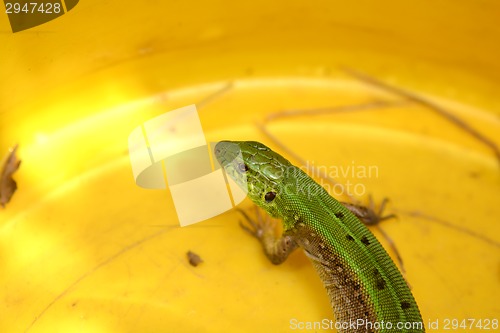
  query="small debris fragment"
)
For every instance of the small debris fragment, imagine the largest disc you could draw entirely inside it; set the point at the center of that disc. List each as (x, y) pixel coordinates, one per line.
(194, 259)
(7, 184)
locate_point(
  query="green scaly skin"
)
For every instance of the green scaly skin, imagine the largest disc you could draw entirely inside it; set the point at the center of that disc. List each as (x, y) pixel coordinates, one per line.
(366, 290)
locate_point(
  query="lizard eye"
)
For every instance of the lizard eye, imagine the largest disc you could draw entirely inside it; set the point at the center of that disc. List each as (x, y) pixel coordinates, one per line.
(269, 196)
(242, 167)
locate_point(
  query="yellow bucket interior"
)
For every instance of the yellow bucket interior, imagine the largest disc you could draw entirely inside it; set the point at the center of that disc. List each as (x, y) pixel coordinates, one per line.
(83, 249)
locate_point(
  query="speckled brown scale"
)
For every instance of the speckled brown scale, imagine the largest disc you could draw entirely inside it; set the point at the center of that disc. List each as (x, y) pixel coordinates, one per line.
(347, 296)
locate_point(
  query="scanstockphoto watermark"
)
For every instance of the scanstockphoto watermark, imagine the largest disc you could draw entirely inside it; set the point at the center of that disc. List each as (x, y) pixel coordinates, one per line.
(337, 180)
(353, 173)
(354, 325)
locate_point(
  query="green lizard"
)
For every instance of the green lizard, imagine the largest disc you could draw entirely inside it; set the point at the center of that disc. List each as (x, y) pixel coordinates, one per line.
(366, 290)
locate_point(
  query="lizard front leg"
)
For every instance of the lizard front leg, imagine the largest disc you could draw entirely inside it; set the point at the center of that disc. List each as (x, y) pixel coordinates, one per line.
(368, 215)
(277, 249)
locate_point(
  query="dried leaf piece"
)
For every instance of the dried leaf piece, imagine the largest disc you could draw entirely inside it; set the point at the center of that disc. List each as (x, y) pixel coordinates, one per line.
(8, 185)
(194, 259)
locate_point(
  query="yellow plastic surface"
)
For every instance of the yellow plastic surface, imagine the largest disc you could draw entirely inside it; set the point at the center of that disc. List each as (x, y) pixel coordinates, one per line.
(83, 249)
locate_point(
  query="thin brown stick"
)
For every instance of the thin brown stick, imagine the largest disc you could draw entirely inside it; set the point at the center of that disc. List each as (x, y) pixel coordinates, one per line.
(450, 225)
(336, 109)
(215, 95)
(430, 105)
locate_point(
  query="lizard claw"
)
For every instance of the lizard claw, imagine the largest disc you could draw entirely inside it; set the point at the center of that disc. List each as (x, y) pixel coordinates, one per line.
(256, 227)
(369, 215)
(378, 215)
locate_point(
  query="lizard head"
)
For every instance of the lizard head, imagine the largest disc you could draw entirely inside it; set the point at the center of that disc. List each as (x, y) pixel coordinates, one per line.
(256, 169)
